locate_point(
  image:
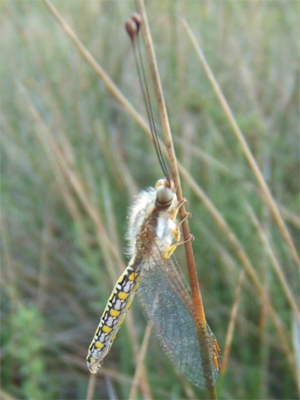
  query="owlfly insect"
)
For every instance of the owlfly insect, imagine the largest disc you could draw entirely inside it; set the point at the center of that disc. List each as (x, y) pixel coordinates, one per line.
(153, 272)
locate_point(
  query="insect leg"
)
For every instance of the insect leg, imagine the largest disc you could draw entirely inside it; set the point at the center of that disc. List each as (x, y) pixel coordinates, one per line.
(177, 208)
(171, 249)
(177, 230)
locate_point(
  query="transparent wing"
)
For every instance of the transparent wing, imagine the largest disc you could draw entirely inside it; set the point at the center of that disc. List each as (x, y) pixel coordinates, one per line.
(165, 299)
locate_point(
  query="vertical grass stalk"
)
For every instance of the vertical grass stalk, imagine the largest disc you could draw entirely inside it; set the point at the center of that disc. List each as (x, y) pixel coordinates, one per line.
(196, 294)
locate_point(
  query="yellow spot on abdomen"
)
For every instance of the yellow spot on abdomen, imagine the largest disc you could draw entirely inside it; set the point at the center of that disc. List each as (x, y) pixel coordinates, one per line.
(132, 276)
(123, 295)
(99, 345)
(114, 313)
(106, 329)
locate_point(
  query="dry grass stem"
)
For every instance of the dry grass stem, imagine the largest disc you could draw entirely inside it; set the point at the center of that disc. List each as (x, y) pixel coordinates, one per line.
(140, 363)
(195, 288)
(249, 156)
(232, 322)
(275, 264)
(91, 387)
(172, 159)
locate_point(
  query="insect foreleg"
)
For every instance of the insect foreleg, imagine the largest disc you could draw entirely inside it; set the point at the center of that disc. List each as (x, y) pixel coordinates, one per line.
(174, 246)
(177, 208)
(177, 230)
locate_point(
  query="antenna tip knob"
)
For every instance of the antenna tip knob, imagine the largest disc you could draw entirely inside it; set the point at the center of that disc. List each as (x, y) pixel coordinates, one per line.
(133, 24)
(131, 28)
(137, 19)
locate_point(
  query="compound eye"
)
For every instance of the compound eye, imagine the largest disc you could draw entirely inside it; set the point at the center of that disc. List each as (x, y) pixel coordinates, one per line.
(164, 196)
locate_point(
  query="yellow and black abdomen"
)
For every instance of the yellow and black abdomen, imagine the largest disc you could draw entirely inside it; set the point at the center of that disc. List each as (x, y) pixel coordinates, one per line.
(113, 316)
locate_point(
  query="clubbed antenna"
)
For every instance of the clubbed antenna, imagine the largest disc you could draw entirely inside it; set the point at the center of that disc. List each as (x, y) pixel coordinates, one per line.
(132, 27)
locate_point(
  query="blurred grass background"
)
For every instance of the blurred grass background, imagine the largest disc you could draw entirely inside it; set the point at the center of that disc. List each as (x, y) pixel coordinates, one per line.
(72, 159)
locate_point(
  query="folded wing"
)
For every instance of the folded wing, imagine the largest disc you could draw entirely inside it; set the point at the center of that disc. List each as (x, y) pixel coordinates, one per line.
(166, 302)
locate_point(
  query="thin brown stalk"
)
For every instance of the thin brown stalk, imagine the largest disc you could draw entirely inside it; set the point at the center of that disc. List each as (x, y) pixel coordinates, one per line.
(248, 154)
(232, 322)
(275, 264)
(140, 363)
(91, 387)
(195, 288)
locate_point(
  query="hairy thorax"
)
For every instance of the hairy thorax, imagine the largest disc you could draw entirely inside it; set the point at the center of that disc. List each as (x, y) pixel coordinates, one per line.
(151, 230)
